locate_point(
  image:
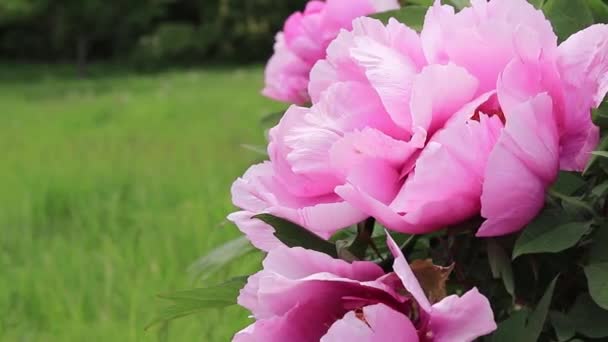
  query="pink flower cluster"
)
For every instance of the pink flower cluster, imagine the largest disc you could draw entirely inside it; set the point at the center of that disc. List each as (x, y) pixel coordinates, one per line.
(305, 38)
(302, 295)
(473, 116)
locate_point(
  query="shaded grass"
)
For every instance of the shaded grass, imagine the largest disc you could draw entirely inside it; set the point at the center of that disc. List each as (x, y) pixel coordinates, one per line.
(109, 189)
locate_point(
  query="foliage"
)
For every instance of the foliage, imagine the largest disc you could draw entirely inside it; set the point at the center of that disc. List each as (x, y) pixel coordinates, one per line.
(152, 32)
(548, 282)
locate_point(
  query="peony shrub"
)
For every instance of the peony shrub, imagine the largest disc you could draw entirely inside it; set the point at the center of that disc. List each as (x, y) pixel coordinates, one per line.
(441, 176)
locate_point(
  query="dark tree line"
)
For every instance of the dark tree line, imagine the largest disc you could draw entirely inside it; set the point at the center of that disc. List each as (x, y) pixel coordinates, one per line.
(146, 32)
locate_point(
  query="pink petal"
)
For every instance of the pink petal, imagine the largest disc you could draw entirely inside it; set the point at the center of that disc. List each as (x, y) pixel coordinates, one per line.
(583, 64)
(288, 269)
(461, 318)
(381, 324)
(388, 67)
(521, 166)
(493, 32)
(260, 234)
(302, 323)
(435, 100)
(286, 75)
(358, 147)
(431, 196)
(403, 270)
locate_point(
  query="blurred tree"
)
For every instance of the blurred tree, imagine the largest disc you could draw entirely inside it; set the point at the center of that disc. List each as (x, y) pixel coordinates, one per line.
(80, 23)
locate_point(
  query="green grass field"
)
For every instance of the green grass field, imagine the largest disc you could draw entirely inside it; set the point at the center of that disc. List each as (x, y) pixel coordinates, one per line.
(109, 189)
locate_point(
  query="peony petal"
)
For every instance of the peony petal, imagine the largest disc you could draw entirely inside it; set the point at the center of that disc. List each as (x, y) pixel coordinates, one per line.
(301, 323)
(435, 100)
(461, 319)
(260, 234)
(485, 32)
(388, 66)
(403, 270)
(447, 181)
(583, 64)
(286, 75)
(380, 324)
(521, 166)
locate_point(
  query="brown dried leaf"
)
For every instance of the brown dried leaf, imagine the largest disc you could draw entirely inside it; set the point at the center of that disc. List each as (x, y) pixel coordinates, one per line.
(432, 278)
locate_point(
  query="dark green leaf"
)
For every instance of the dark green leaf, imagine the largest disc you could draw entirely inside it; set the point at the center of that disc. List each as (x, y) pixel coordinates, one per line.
(568, 182)
(572, 202)
(221, 256)
(189, 302)
(548, 233)
(412, 16)
(599, 9)
(564, 328)
(537, 3)
(500, 264)
(522, 327)
(272, 119)
(512, 329)
(568, 16)
(460, 4)
(426, 3)
(597, 269)
(603, 154)
(539, 316)
(600, 114)
(603, 146)
(293, 235)
(600, 190)
(588, 318)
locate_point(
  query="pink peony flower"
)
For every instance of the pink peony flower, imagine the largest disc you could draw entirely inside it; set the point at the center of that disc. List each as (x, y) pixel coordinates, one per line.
(501, 106)
(302, 295)
(474, 116)
(303, 41)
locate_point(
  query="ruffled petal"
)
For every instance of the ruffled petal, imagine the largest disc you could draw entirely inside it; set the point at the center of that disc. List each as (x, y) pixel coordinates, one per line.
(461, 318)
(521, 167)
(378, 323)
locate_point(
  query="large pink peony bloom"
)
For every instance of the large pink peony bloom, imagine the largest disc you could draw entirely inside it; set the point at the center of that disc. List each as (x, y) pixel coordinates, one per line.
(302, 295)
(474, 116)
(303, 41)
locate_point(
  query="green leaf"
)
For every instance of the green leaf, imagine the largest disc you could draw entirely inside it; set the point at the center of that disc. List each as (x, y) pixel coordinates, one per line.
(412, 16)
(568, 16)
(500, 264)
(600, 153)
(600, 114)
(563, 326)
(522, 327)
(599, 10)
(189, 302)
(220, 257)
(603, 146)
(539, 316)
(511, 329)
(426, 3)
(293, 235)
(548, 233)
(597, 269)
(537, 3)
(588, 318)
(460, 4)
(568, 182)
(272, 119)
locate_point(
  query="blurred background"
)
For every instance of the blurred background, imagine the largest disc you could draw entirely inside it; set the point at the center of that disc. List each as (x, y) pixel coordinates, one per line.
(123, 125)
